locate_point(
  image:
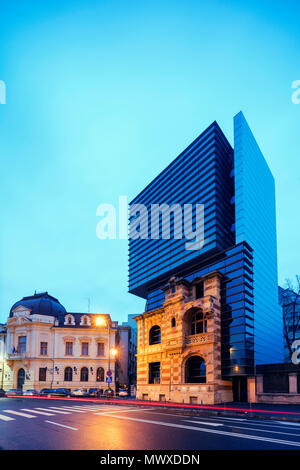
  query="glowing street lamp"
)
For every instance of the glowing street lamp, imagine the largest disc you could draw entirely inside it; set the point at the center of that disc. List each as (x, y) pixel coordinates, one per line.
(101, 322)
(113, 352)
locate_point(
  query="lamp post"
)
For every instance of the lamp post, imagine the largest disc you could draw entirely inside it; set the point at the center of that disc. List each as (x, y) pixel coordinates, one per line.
(100, 321)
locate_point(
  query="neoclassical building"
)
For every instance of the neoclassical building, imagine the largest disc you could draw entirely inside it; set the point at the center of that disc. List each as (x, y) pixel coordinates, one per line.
(48, 347)
(179, 345)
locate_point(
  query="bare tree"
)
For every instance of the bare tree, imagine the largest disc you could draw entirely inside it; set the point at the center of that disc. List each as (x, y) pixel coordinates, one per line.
(290, 301)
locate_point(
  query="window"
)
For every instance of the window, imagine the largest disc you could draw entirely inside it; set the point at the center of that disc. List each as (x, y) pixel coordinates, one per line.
(42, 374)
(100, 349)
(198, 324)
(68, 374)
(173, 322)
(69, 348)
(154, 335)
(100, 374)
(195, 370)
(276, 383)
(84, 349)
(22, 344)
(84, 374)
(44, 349)
(154, 373)
(199, 290)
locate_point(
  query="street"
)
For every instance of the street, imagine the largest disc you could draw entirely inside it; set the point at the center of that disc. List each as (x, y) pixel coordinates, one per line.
(44, 424)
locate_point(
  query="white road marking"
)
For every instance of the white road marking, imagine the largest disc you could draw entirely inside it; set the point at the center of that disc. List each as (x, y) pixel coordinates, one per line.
(233, 419)
(118, 411)
(250, 422)
(88, 408)
(211, 431)
(18, 413)
(38, 412)
(6, 418)
(288, 423)
(62, 425)
(68, 408)
(202, 422)
(56, 411)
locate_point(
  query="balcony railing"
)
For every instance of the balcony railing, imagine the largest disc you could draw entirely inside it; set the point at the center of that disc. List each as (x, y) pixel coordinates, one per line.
(199, 339)
(18, 355)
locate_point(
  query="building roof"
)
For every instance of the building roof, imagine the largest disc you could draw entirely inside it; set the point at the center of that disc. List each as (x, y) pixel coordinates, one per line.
(40, 304)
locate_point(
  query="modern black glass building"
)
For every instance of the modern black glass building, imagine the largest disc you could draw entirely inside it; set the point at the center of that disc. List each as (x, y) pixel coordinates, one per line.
(237, 191)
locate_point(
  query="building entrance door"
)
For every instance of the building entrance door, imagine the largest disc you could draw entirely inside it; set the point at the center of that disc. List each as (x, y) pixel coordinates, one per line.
(239, 389)
(21, 379)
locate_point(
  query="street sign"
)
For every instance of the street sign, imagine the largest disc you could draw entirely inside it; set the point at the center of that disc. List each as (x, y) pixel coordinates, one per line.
(109, 373)
(108, 380)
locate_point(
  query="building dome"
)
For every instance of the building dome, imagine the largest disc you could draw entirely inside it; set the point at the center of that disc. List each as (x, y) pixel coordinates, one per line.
(40, 304)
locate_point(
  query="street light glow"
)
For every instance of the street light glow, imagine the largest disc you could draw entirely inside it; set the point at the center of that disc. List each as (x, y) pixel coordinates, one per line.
(100, 321)
(113, 352)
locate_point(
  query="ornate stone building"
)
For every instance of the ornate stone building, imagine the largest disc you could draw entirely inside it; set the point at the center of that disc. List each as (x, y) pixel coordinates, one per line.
(179, 345)
(48, 347)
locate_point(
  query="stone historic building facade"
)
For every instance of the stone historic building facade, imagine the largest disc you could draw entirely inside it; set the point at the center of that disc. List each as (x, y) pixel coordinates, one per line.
(179, 345)
(48, 347)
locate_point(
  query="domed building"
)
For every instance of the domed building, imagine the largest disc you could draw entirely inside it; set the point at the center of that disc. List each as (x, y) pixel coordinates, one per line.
(40, 304)
(48, 347)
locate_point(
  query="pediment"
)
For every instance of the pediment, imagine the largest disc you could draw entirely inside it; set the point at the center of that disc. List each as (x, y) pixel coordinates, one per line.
(21, 311)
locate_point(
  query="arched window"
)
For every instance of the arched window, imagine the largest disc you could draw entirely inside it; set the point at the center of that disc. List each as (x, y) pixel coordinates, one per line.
(173, 322)
(69, 320)
(84, 374)
(68, 374)
(198, 324)
(195, 370)
(100, 374)
(154, 335)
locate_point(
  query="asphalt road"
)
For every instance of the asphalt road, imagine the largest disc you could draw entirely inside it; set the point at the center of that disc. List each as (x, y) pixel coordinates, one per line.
(47, 424)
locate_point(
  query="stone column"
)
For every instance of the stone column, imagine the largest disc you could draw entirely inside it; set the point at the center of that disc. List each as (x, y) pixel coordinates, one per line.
(259, 384)
(292, 383)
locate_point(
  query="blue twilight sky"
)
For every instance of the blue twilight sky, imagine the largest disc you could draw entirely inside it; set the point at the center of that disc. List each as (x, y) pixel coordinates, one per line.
(101, 96)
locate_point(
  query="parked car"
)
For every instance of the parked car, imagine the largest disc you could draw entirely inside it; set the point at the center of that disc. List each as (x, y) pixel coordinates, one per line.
(45, 391)
(93, 392)
(80, 392)
(65, 392)
(123, 392)
(57, 392)
(31, 392)
(109, 392)
(14, 391)
(2, 393)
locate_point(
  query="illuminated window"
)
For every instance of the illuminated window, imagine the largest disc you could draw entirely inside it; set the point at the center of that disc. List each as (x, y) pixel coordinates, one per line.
(100, 374)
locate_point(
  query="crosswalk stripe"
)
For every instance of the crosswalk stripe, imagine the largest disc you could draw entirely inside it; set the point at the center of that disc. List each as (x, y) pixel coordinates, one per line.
(18, 413)
(38, 412)
(67, 408)
(56, 411)
(6, 418)
(62, 425)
